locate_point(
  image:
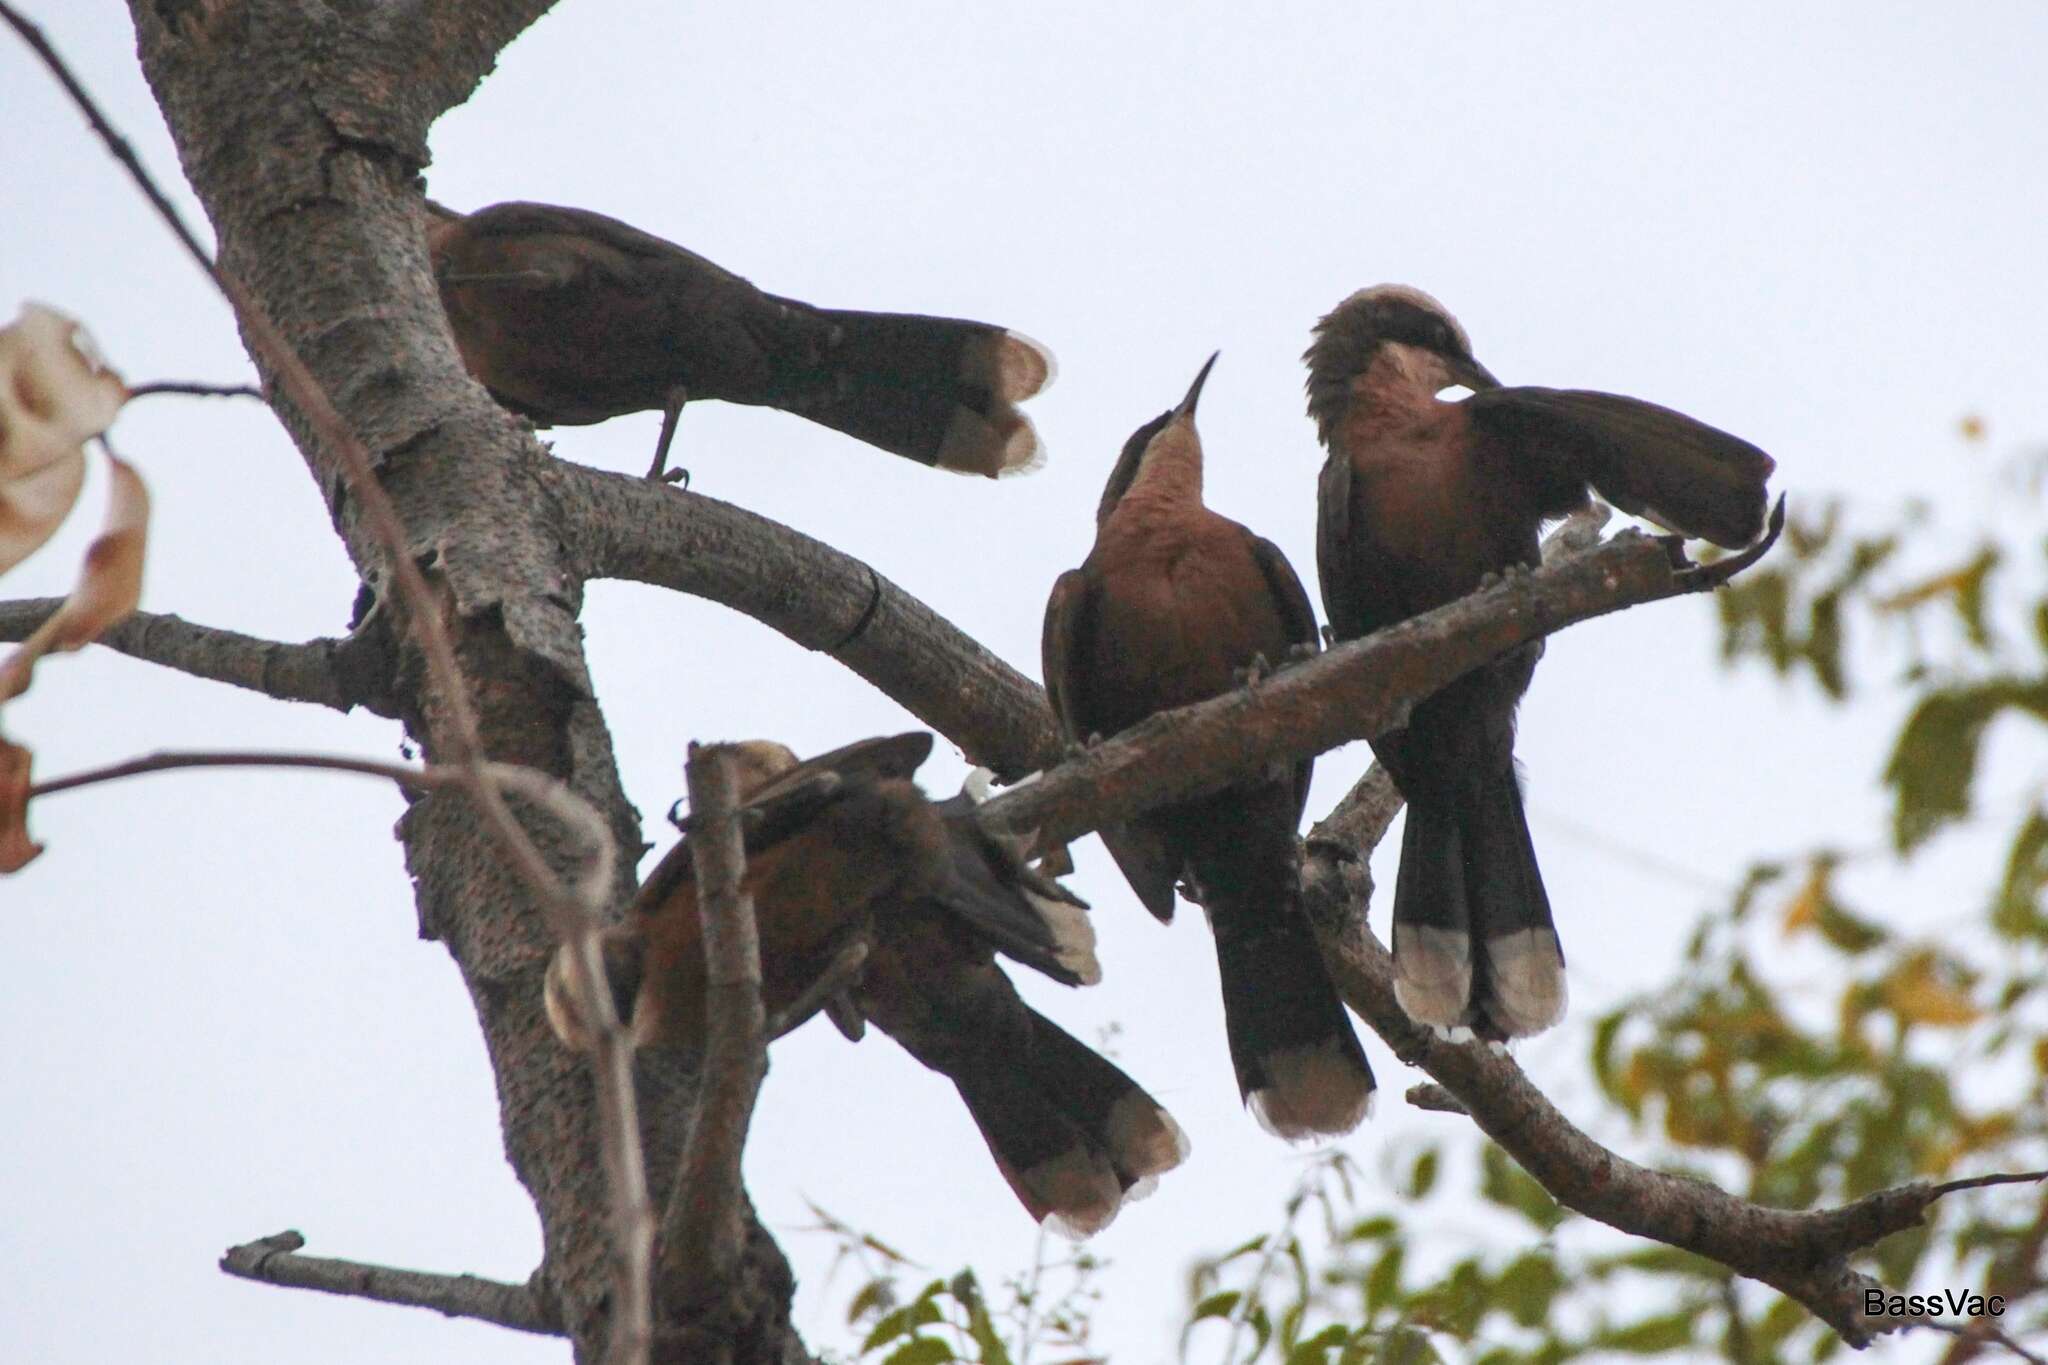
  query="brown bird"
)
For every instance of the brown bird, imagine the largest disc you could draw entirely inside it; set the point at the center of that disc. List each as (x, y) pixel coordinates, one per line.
(1421, 500)
(1172, 606)
(845, 845)
(569, 317)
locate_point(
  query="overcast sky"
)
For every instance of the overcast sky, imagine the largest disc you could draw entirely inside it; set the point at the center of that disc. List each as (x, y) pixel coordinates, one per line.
(1817, 226)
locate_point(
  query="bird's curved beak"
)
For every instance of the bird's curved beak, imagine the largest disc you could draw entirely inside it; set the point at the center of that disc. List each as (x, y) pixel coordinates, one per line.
(1469, 372)
(1186, 411)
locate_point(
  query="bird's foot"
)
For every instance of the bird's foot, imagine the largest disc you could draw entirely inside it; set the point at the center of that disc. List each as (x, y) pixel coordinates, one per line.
(1253, 673)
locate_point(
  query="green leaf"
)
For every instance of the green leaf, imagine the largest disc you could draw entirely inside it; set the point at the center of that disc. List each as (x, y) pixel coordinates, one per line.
(1216, 1306)
(1316, 1350)
(2017, 912)
(1508, 1185)
(1651, 1336)
(874, 1296)
(1527, 1288)
(901, 1322)
(922, 1351)
(1422, 1179)
(1934, 763)
(1383, 1286)
(1406, 1346)
(979, 1325)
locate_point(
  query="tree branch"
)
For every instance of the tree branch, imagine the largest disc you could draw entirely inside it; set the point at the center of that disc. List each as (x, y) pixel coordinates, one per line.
(275, 1260)
(1801, 1254)
(702, 1229)
(1353, 691)
(823, 599)
(337, 673)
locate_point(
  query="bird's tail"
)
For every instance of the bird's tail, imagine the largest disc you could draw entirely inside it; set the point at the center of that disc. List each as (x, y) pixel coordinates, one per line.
(1299, 1065)
(941, 391)
(1073, 1135)
(1473, 939)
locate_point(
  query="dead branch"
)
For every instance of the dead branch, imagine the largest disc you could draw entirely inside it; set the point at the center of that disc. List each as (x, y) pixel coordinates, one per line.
(275, 1260)
(337, 673)
(702, 1230)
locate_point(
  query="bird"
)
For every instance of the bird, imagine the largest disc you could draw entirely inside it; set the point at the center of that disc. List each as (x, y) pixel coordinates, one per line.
(845, 846)
(1420, 501)
(1173, 605)
(569, 317)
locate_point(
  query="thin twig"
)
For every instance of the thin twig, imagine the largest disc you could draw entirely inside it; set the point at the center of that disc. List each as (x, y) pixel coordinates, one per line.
(701, 1232)
(430, 778)
(194, 390)
(275, 1260)
(1979, 1330)
(459, 742)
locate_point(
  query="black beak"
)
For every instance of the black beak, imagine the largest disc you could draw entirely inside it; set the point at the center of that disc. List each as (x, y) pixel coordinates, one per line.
(1469, 372)
(1186, 411)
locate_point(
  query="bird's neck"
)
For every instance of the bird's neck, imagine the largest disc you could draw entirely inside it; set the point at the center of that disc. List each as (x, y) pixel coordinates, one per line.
(1171, 474)
(1397, 390)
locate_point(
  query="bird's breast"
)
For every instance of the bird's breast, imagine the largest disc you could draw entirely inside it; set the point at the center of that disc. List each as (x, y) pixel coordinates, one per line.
(1183, 607)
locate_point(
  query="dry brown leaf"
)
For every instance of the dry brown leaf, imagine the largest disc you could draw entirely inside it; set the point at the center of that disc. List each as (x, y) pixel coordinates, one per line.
(108, 588)
(55, 394)
(17, 850)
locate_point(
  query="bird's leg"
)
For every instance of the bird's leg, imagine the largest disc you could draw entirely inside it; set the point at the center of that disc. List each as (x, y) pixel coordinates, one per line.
(1255, 672)
(671, 412)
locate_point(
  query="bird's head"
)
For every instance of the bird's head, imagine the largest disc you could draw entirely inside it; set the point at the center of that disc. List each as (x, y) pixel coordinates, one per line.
(1171, 436)
(1416, 340)
(757, 762)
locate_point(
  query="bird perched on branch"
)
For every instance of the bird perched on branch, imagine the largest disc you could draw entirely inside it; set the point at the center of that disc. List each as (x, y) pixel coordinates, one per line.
(569, 317)
(1420, 501)
(1171, 607)
(845, 848)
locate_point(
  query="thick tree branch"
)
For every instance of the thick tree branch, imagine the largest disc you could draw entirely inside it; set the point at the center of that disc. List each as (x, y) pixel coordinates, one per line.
(1353, 691)
(823, 599)
(701, 1233)
(275, 1260)
(336, 673)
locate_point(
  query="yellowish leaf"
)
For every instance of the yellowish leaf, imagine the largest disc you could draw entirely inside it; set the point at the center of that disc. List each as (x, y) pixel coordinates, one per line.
(17, 850)
(55, 394)
(1972, 427)
(1803, 910)
(1917, 994)
(108, 588)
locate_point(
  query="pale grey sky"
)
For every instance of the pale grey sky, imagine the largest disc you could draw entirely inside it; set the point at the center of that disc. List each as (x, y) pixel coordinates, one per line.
(1818, 226)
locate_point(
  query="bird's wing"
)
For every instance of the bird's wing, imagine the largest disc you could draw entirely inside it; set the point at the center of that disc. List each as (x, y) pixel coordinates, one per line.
(1063, 649)
(1288, 594)
(1333, 534)
(1646, 460)
(789, 802)
(1067, 648)
(1300, 620)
